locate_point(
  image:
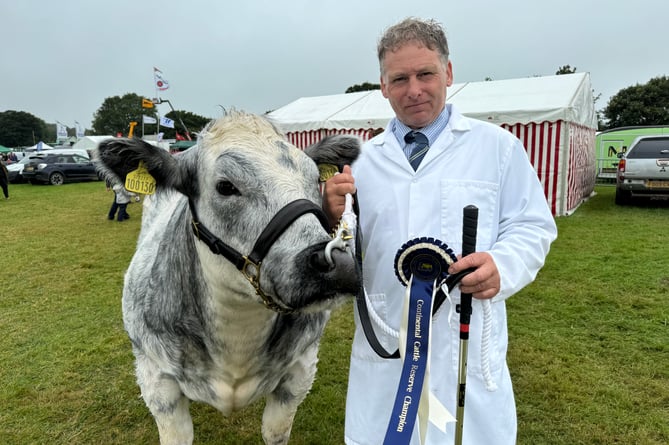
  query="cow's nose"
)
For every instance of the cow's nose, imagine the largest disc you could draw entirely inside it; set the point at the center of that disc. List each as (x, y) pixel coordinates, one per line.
(319, 261)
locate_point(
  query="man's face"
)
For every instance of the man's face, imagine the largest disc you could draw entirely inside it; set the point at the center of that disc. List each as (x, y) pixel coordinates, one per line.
(414, 80)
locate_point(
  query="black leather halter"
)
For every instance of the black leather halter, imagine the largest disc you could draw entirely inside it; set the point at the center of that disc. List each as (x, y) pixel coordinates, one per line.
(249, 264)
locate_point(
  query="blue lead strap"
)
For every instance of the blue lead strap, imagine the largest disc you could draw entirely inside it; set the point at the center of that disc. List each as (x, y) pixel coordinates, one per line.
(415, 364)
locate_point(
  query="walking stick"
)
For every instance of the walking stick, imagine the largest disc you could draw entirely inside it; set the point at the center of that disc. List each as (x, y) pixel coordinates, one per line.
(469, 227)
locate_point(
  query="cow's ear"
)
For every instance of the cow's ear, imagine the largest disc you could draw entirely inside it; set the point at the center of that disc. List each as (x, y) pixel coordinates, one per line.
(339, 150)
(120, 156)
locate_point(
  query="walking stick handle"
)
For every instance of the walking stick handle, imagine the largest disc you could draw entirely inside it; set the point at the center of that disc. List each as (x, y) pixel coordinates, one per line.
(470, 217)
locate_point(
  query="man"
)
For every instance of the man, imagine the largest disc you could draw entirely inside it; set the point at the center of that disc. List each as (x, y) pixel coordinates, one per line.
(468, 162)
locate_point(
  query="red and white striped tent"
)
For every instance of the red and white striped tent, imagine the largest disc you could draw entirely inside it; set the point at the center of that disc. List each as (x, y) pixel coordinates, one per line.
(553, 116)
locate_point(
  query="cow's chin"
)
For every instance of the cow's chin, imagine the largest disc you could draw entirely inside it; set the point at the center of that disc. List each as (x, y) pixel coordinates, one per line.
(325, 303)
(328, 303)
(312, 298)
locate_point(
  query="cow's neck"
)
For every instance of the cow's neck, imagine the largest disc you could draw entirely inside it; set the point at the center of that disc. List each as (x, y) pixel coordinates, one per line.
(234, 308)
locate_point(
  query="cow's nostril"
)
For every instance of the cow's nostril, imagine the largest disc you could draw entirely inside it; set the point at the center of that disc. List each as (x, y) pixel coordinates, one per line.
(319, 262)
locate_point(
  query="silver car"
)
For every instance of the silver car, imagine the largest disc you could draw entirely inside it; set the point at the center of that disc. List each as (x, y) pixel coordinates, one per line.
(15, 170)
(643, 171)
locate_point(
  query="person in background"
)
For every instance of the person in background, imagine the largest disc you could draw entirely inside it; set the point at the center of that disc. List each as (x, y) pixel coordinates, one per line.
(4, 179)
(122, 198)
(403, 195)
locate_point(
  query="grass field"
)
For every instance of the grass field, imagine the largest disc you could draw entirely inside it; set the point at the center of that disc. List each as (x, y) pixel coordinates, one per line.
(589, 339)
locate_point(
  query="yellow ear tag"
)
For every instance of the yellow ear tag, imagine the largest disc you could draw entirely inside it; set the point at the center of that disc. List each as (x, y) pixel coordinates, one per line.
(327, 171)
(140, 181)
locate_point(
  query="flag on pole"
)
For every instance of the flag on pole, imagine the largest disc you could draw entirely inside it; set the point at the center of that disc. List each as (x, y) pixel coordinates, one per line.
(166, 122)
(147, 103)
(148, 119)
(161, 84)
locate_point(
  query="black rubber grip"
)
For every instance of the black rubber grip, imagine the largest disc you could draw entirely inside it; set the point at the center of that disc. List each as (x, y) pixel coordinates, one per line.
(470, 218)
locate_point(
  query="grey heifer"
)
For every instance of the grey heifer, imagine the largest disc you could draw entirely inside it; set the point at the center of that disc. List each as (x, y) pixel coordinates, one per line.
(199, 330)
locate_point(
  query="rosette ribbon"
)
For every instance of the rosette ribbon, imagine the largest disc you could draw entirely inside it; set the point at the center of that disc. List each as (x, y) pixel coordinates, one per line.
(420, 264)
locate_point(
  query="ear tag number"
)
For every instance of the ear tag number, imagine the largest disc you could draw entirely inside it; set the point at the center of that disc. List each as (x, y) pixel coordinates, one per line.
(140, 181)
(326, 171)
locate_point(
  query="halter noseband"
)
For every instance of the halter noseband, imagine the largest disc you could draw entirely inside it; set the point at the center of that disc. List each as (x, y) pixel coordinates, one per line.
(249, 264)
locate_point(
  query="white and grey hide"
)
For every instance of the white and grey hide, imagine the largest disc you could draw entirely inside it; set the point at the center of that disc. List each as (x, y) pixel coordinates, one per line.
(199, 331)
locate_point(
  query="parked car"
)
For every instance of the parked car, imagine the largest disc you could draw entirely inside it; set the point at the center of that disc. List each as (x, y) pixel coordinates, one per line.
(15, 170)
(643, 171)
(58, 168)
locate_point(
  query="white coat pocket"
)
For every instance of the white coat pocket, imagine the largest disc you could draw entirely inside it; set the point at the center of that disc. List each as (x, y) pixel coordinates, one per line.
(455, 196)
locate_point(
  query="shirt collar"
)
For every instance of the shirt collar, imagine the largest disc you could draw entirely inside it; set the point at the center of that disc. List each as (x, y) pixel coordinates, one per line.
(432, 131)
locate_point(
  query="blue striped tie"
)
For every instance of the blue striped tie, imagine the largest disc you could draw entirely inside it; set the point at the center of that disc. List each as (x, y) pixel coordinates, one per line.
(422, 145)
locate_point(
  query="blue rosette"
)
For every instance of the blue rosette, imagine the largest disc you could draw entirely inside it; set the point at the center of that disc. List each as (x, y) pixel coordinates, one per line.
(426, 259)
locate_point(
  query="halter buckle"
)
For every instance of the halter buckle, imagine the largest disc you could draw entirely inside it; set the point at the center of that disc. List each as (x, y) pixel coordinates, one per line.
(251, 271)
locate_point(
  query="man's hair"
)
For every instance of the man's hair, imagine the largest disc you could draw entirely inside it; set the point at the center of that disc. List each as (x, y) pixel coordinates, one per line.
(428, 33)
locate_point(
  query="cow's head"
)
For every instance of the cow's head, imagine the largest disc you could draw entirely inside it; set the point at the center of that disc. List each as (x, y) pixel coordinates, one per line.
(238, 177)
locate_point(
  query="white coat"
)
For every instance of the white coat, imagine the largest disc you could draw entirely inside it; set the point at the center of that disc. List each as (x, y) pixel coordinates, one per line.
(471, 162)
(123, 196)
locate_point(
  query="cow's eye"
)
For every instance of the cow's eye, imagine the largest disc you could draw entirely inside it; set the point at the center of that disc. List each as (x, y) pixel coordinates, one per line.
(226, 188)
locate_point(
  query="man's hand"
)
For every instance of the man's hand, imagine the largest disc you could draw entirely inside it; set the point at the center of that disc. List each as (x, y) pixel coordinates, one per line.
(484, 282)
(334, 194)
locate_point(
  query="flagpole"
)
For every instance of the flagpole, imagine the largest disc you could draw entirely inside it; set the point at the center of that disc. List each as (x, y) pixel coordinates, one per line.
(155, 86)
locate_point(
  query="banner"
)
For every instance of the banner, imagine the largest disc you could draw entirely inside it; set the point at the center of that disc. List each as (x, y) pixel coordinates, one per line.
(166, 122)
(147, 103)
(79, 131)
(148, 120)
(61, 131)
(161, 84)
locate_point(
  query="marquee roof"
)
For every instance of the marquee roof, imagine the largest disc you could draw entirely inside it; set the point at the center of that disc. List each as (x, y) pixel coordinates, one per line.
(566, 97)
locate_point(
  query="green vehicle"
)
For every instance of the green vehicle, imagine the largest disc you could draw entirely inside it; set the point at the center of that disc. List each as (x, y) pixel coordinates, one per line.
(609, 143)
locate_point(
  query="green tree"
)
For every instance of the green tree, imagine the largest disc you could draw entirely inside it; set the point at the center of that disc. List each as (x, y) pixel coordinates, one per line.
(646, 104)
(366, 86)
(21, 129)
(116, 113)
(566, 70)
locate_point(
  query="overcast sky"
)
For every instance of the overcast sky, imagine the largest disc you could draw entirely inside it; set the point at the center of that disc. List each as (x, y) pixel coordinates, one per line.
(61, 59)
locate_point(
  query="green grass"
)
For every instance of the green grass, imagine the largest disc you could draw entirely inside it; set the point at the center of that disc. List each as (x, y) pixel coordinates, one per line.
(589, 339)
